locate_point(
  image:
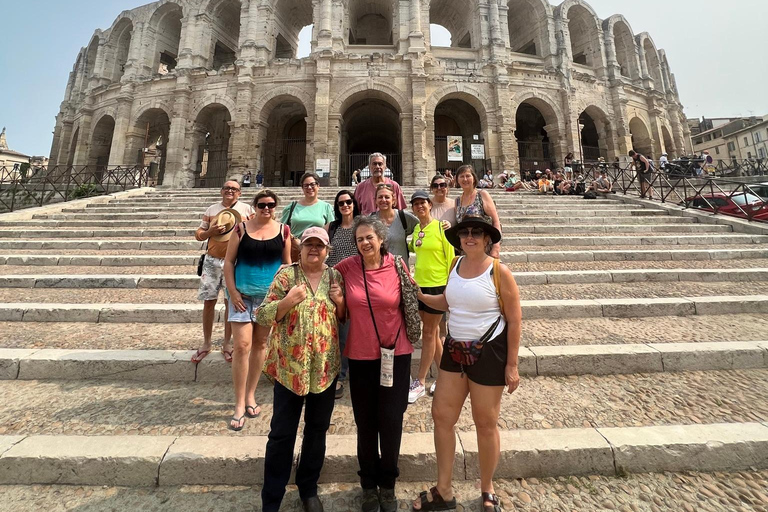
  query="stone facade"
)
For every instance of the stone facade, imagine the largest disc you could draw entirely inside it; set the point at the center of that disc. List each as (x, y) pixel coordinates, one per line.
(213, 88)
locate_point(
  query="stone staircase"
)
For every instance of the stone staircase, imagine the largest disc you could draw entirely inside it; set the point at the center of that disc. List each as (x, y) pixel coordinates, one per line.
(644, 351)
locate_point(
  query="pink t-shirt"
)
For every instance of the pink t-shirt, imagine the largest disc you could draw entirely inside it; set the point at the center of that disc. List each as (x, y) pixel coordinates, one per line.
(384, 290)
(365, 193)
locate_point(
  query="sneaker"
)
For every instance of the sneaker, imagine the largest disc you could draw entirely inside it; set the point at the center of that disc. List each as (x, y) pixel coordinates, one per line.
(339, 390)
(416, 391)
(432, 388)
(370, 500)
(387, 499)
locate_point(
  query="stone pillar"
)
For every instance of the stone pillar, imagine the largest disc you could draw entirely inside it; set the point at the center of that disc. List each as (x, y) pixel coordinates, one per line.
(195, 41)
(99, 77)
(122, 125)
(482, 16)
(321, 116)
(179, 162)
(416, 35)
(654, 113)
(406, 133)
(504, 23)
(559, 142)
(421, 139)
(498, 47)
(613, 69)
(645, 76)
(53, 156)
(65, 139)
(240, 132)
(136, 63)
(509, 155)
(340, 10)
(84, 142)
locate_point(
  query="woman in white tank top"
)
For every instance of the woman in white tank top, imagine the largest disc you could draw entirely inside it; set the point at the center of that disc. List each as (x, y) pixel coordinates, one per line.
(484, 337)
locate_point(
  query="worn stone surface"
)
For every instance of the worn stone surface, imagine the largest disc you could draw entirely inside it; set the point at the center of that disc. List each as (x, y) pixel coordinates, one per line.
(711, 356)
(9, 362)
(202, 460)
(597, 360)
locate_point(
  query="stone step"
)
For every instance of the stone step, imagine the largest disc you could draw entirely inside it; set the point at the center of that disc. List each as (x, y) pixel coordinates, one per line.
(632, 255)
(192, 281)
(715, 492)
(532, 309)
(112, 245)
(97, 260)
(614, 227)
(175, 366)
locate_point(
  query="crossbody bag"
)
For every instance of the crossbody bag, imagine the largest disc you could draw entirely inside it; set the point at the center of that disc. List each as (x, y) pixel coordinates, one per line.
(387, 373)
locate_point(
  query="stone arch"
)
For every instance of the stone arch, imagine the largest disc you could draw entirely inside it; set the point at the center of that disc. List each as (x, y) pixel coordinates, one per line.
(285, 119)
(140, 110)
(652, 61)
(291, 16)
(538, 130)
(211, 142)
(596, 134)
(585, 32)
(641, 136)
(624, 45)
(456, 17)
(100, 145)
(91, 55)
(270, 98)
(165, 26)
(465, 92)
(225, 31)
(118, 48)
(215, 99)
(378, 90)
(546, 104)
(669, 141)
(371, 22)
(528, 28)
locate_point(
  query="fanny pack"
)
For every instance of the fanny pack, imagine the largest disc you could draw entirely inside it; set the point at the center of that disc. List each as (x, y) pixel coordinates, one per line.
(466, 353)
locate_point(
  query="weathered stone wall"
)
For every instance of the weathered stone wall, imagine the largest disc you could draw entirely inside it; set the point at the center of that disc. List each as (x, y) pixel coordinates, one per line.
(623, 84)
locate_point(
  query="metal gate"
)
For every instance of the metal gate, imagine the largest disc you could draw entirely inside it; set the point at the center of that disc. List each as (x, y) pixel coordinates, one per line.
(441, 156)
(284, 162)
(212, 166)
(536, 156)
(359, 161)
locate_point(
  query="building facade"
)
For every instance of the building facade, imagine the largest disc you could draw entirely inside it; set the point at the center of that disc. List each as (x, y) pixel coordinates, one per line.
(212, 88)
(717, 138)
(10, 161)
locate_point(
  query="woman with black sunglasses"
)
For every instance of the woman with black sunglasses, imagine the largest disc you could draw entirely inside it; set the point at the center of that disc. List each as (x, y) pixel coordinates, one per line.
(442, 207)
(254, 255)
(345, 208)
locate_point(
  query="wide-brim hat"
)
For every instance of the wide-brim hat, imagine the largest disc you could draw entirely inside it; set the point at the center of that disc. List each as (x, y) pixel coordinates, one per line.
(472, 221)
(228, 217)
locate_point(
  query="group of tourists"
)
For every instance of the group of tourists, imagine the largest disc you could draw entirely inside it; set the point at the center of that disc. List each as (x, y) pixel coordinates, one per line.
(323, 298)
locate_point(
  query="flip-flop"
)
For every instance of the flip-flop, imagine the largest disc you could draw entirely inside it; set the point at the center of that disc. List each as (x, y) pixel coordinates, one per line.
(227, 355)
(200, 355)
(240, 421)
(253, 408)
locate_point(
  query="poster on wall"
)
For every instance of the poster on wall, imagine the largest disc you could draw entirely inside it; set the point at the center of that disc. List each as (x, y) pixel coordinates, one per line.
(455, 148)
(478, 151)
(323, 167)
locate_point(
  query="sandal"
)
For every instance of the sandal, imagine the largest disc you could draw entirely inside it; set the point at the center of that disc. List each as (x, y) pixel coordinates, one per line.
(496, 503)
(240, 421)
(200, 355)
(227, 355)
(256, 410)
(437, 503)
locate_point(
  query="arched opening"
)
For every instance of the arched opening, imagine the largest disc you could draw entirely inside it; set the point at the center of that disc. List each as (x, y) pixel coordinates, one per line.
(585, 38)
(455, 16)
(101, 145)
(595, 135)
(371, 22)
(439, 37)
(166, 23)
(147, 140)
(652, 63)
(368, 126)
(528, 33)
(534, 146)
(225, 32)
(120, 45)
(285, 148)
(73, 148)
(292, 17)
(211, 141)
(669, 145)
(641, 137)
(626, 55)
(90, 60)
(458, 125)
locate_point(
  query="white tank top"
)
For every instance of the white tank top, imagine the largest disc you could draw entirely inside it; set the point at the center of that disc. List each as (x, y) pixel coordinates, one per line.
(473, 305)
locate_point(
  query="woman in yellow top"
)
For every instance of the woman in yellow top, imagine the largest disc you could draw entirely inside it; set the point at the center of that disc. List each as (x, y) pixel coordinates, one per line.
(434, 255)
(303, 307)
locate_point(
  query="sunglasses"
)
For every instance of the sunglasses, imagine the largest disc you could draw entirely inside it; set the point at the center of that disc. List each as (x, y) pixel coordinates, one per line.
(230, 189)
(473, 232)
(440, 185)
(346, 202)
(261, 206)
(388, 186)
(309, 186)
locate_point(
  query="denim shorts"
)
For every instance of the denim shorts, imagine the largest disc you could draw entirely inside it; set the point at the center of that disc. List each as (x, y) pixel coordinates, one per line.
(252, 303)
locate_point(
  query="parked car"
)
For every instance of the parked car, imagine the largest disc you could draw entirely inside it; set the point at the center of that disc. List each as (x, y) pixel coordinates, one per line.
(760, 189)
(739, 204)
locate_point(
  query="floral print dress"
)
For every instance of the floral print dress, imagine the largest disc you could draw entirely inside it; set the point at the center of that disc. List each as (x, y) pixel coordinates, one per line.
(303, 347)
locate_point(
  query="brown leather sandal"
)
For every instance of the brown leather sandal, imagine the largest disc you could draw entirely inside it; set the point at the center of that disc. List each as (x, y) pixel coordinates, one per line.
(437, 503)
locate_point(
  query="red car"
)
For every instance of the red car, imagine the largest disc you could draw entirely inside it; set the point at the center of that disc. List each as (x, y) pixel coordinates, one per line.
(740, 204)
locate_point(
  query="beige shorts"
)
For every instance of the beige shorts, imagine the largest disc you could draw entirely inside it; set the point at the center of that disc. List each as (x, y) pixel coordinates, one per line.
(212, 280)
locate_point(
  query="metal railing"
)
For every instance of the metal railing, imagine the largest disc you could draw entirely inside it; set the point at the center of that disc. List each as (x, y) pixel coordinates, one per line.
(44, 185)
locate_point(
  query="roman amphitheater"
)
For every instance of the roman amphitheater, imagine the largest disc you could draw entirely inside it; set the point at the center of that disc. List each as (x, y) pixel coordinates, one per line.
(205, 89)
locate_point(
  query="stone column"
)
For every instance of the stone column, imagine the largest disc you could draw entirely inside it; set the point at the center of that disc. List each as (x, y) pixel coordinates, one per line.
(240, 132)
(136, 63)
(645, 76)
(264, 35)
(509, 156)
(416, 35)
(122, 125)
(613, 71)
(498, 49)
(504, 23)
(406, 133)
(340, 11)
(483, 22)
(84, 141)
(65, 139)
(179, 161)
(323, 19)
(654, 113)
(195, 41)
(421, 140)
(558, 141)
(99, 77)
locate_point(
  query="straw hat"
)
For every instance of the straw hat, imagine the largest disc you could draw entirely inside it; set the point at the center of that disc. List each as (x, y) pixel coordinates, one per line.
(228, 217)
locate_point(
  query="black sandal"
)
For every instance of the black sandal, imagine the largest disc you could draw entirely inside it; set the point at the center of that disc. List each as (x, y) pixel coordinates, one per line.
(496, 507)
(437, 503)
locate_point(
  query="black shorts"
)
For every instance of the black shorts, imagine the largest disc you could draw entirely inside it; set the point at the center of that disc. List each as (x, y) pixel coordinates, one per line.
(644, 177)
(489, 368)
(431, 290)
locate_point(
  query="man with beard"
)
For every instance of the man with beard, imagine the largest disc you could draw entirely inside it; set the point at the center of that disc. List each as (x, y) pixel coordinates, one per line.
(365, 193)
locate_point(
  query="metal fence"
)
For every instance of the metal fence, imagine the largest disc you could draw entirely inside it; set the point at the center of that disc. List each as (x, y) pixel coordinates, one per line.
(45, 185)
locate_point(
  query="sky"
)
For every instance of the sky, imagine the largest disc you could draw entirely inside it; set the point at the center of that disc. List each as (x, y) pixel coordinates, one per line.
(716, 50)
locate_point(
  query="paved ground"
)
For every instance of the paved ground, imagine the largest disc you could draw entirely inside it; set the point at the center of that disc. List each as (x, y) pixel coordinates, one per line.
(683, 492)
(135, 408)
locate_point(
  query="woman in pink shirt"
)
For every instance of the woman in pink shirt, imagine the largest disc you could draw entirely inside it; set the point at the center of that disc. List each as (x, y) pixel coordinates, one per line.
(379, 391)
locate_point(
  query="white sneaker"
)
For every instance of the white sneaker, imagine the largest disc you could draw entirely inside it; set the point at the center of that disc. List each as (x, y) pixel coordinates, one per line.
(416, 391)
(432, 388)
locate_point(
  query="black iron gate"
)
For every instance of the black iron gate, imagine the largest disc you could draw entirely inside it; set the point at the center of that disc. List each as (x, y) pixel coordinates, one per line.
(535, 156)
(359, 161)
(212, 166)
(284, 162)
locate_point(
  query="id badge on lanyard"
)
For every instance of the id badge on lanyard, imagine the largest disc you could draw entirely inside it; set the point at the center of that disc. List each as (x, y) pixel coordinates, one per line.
(387, 375)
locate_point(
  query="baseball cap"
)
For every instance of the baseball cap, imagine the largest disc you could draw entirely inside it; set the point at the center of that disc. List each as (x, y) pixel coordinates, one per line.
(315, 232)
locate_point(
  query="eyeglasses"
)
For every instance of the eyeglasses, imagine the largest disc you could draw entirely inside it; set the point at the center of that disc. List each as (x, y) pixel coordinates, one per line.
(309, 186)
(388, 186)
(473, 232)
(420, 239)
(314, 247)
(261, 206)
(346, 202)
(230, 189)
(440, 185)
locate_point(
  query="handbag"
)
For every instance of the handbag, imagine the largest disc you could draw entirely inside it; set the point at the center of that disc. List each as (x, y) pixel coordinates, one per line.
(295, 241)
(409, 301)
